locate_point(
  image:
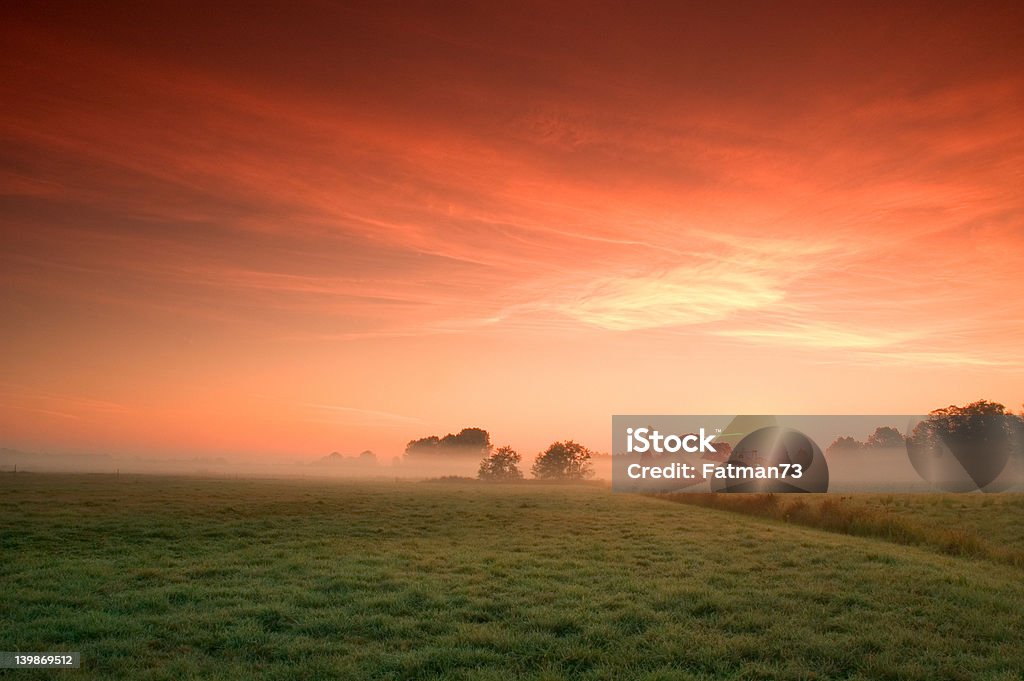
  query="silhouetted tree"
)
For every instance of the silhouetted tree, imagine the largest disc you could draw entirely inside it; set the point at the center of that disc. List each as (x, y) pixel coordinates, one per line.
(467, 437)
(501, 465)
(961, 449)
(977, 424)
(469, 442)
(363, 459)
(846, 443)
(425, 445)
(885, 437)
(563, 461)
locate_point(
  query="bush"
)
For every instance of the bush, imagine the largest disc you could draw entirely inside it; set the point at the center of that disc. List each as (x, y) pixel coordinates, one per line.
(563, 461)
(502, 465)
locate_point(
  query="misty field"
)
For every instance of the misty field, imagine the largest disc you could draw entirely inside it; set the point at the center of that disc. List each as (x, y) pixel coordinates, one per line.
(176, 577)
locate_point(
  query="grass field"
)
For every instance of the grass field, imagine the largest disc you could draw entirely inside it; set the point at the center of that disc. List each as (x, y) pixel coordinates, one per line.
(176, 577)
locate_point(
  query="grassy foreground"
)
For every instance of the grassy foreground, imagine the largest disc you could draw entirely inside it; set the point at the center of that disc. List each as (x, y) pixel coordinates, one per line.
(178, 578)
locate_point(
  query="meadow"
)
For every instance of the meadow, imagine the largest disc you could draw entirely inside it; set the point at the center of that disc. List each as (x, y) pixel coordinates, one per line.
(156, 578)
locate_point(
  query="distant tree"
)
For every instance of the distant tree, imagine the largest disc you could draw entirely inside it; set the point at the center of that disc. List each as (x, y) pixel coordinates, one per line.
(885, 437)
(563, 461)
(501, 465)
(469, 442)
(977, 424)
(845, 443)
(363, 459)
(979, 438)
(425, 445)
(469, 438)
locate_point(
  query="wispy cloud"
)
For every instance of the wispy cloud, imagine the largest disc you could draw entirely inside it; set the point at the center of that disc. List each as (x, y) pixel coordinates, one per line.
(350, 414)
(48, 412)
(825, 336)
(685, 295)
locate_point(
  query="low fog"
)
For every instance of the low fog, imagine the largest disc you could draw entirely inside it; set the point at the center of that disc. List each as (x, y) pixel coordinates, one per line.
(364, 465)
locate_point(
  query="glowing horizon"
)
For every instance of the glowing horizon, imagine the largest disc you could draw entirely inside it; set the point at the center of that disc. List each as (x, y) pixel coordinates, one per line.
(280, 233)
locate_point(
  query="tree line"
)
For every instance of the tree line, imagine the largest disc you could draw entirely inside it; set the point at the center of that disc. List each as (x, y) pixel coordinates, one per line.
(569, 460)
(566, 460)
(982, 422)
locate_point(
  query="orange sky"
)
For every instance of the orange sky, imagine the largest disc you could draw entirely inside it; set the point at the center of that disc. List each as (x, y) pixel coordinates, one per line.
(275, 233)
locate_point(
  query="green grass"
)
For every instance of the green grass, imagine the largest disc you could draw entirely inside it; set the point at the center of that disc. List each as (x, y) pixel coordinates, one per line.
(177, 578)
(988, 526)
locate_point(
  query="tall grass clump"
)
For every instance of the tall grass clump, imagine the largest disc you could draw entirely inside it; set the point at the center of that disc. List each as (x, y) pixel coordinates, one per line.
(866, 517)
